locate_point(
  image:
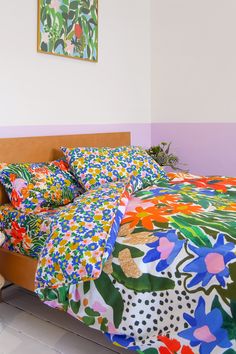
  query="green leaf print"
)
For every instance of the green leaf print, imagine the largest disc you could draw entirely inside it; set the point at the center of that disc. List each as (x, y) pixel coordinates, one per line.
(86, 286)
(146, 283)
(91, 312)
(89, 321)
(111, 296)
(228, 323)
(75, 306)
(189, 231)
(135, 252)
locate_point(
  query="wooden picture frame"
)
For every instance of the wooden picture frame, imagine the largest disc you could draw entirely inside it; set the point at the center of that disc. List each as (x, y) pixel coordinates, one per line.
(68, 28)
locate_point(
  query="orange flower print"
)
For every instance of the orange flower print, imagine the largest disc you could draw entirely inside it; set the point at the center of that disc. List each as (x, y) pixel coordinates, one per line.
(230, 207)
(166, 199)
(186, 208)
(145, 216)
(173, 346)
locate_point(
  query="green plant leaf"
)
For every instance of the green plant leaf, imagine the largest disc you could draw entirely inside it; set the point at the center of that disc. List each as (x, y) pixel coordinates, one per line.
(111, 296)
(74, 5)
(146, 283)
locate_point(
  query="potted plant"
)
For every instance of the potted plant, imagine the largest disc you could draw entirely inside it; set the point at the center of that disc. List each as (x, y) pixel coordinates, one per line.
(162, 155)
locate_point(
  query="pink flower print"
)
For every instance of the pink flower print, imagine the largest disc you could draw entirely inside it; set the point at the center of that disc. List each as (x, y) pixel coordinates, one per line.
(90, 225)
(49, 261)
(75, 294)
(18, 184)
(96, 273)
(82, 272)
(69, 47)
(97, 306)
(134, 202)
(44, 227)
(67, 236)
(54, 304)
(55, 4)
(85, 241)
(69, 269)
(111, 328)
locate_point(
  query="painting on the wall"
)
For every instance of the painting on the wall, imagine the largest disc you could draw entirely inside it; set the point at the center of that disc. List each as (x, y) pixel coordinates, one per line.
(68, 28)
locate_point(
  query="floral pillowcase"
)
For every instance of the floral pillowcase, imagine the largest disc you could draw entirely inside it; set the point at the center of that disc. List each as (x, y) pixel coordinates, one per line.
(35, 187)
(96, 166)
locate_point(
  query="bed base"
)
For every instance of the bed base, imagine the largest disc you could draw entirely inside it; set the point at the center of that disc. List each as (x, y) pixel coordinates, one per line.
(18, 269)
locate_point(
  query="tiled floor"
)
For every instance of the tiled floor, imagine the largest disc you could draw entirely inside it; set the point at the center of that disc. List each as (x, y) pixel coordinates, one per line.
(29, 327)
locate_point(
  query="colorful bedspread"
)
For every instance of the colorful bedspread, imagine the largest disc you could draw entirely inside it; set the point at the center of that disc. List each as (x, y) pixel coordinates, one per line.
(164, 281)
(154, 268)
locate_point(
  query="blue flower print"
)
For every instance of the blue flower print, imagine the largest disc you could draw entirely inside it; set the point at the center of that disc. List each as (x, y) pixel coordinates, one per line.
(211, 262)
(165, 249)
(122, 341)
(206, 329)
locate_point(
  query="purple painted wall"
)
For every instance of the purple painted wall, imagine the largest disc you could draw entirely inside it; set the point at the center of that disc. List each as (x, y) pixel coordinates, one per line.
(207, 148)
(140, 133)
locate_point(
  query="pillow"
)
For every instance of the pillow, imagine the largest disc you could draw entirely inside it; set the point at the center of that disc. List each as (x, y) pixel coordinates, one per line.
(96, 166)
(39, 186)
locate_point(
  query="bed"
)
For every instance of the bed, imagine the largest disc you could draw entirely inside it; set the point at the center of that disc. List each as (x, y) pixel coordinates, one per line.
(41, 149)
(166, 281)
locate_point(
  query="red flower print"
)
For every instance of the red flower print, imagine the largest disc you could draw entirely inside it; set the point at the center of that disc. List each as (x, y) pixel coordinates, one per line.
(17, 232)
(172, 346)
(61, 164)
(15, 198)
(78, 30)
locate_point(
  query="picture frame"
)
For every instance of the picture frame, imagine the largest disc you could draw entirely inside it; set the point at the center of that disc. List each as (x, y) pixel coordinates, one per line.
(68, 28)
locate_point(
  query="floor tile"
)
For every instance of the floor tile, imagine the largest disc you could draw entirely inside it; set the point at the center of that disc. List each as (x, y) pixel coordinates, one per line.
(14, 342)
(31, 304)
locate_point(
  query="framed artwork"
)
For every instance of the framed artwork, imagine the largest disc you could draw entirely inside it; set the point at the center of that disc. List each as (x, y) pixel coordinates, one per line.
(68, 28)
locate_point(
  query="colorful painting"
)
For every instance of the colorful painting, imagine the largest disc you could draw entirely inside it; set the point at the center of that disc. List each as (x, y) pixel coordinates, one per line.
(68, 28)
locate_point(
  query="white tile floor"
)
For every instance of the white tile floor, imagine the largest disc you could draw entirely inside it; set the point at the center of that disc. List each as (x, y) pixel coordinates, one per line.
(29, 327)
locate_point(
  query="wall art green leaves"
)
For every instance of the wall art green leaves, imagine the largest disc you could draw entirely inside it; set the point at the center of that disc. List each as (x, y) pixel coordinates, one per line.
(68, 28)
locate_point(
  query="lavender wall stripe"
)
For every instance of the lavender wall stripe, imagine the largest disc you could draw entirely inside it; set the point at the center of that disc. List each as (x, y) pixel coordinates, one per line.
(207, 148)
(140, 133)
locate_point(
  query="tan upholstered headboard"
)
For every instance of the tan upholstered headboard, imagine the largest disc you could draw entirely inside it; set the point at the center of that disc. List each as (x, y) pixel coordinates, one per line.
(47, 148)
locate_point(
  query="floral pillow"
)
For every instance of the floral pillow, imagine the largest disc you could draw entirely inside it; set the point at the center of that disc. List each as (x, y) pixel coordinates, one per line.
(96, 166)
(39, 186)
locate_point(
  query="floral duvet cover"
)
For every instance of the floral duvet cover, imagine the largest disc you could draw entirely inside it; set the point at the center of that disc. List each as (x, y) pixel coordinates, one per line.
(153, 267)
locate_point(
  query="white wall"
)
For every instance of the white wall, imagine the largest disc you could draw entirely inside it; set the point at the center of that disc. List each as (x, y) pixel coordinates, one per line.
(38, 89)
(193, 60)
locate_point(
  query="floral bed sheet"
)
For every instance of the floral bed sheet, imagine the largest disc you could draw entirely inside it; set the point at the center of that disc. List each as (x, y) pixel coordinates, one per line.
(154, 268)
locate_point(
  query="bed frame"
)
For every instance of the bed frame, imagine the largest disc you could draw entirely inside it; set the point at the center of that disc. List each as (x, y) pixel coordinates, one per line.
(14, 267)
